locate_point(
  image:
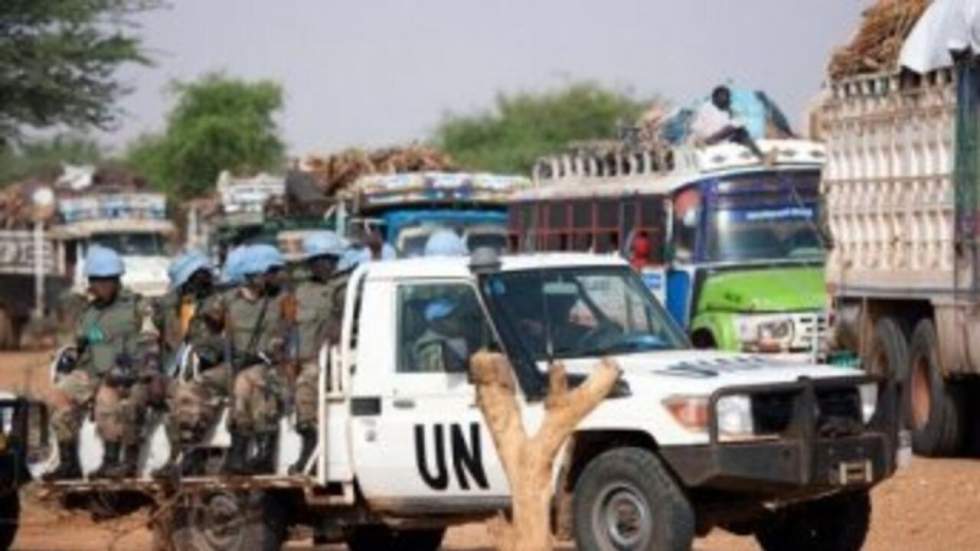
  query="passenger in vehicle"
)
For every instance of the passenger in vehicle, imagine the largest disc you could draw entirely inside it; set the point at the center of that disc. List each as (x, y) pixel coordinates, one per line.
(443, 346)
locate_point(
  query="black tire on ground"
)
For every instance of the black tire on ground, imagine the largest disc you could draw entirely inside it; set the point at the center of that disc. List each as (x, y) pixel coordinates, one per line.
(887, 355)
(836, 523)
(9, 518)
(935, 406)
(626, 499)
(8, 334)
(227, 521)
(369, 538)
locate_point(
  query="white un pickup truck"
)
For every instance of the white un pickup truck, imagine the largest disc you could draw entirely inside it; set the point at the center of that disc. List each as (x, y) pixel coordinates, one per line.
(688, 440)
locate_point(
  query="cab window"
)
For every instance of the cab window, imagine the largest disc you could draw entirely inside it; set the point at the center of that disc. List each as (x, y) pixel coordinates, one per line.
(440, 325)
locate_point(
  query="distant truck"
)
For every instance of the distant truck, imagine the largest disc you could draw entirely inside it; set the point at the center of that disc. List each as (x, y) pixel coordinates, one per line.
(902, 188)
(688, 440)
(134, 224)
(407, 207)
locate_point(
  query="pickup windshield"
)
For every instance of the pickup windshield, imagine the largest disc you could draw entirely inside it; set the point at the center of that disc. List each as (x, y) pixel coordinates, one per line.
(132, 244)
(580, 312)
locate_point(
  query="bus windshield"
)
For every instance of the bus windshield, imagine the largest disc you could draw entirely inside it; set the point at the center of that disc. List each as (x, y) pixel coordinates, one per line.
(132, 244)
(770, 218)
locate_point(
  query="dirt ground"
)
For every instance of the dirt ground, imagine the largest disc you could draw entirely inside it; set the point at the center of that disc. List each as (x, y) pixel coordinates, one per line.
(931, 505)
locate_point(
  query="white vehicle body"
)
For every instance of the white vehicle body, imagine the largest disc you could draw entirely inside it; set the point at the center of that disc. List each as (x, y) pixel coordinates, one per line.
(416, 447)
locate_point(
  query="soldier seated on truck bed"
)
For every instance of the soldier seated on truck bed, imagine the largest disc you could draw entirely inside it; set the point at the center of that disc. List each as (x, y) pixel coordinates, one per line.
(113, 361)
(314, 298)
(178, 317)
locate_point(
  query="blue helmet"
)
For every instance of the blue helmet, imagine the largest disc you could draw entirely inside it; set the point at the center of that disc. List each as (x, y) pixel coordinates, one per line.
(186, 265)
(351, 258)
(103, 262)
(261, 258)
(322, 243)
(439, 308)
(232, 272)
(445, 243)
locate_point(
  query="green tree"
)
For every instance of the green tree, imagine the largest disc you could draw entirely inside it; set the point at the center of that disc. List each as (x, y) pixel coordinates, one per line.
(218, 123)
(525, 126)
(58, 60)
(45, 157)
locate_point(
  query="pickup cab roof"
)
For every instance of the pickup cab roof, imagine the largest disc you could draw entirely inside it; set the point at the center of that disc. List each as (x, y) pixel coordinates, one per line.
(459, 267)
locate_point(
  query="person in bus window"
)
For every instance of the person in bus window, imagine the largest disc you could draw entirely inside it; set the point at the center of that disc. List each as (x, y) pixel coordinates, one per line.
(640, 250)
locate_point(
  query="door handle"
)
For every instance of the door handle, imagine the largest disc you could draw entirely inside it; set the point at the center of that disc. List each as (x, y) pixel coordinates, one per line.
(403, 403)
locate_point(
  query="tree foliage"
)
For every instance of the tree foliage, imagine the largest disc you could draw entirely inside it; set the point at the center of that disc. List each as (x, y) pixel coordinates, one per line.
(58, 60)
(218, 123)
(525, 126)
(42, 158)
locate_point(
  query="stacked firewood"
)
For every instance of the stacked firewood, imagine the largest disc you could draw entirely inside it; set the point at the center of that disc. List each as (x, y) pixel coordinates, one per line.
(337, 171)
(876, 46)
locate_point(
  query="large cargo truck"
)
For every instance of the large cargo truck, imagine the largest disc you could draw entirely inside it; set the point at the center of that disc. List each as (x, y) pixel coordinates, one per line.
(903, 275)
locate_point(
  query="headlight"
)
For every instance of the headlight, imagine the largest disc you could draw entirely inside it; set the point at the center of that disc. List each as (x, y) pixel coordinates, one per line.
(869, 400)
(735, 418)
(765, 332)
(691, 412)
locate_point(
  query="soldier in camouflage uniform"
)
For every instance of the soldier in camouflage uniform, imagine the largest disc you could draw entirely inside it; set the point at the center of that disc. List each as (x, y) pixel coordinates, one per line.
(180, 323)
(113, 362)
(257, 319)
(315, 312)
(443, 347)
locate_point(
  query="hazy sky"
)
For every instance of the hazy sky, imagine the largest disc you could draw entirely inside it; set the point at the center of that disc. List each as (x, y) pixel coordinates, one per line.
(375, 72)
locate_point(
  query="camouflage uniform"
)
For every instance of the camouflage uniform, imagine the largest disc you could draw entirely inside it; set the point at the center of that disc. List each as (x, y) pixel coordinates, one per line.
(436, 353)
(111, 332)
(320, 307)
(192, 404)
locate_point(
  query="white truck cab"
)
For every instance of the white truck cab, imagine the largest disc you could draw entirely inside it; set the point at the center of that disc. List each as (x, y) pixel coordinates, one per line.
(688, 439)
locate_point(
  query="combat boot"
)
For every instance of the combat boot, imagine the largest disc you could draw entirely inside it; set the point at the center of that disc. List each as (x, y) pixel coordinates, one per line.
(129, 465)
(308, 437)
(235, 461)
(68, 468)
(264, 461)
(171, 469)
(110, 462)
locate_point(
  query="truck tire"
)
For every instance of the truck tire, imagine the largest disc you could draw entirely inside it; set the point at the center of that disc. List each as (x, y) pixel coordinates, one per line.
(8, 334)
(375, 537)
(887, 355)
(228, 521)
(836, 523)
(935, 406)
(626, 499)
(9, 518)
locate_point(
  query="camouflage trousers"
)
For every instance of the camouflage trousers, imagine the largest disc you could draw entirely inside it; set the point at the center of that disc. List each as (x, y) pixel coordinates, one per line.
(119, 412)
(306, 396)
(196, 405)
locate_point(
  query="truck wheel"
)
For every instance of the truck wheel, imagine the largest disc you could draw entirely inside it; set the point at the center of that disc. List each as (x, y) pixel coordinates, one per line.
(8, 336)
(228, 522)
(626, 499)
(370, 538)
(9, 518)
(836, 523)
(887, 355)
(935, 406)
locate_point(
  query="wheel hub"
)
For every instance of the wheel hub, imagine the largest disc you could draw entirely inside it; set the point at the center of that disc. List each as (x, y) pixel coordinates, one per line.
(622, 517)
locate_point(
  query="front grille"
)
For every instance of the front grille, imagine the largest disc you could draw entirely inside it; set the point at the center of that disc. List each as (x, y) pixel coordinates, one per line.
(839, 411)
(810, 331)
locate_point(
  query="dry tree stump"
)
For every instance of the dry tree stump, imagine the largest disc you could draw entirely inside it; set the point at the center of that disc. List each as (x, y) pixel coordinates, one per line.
(528, 460)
